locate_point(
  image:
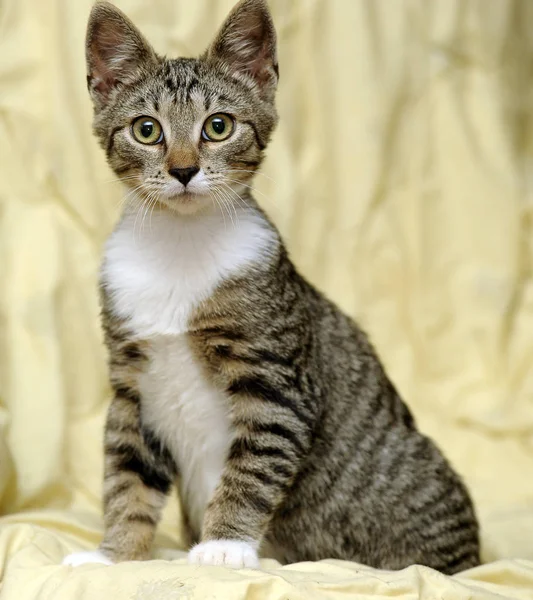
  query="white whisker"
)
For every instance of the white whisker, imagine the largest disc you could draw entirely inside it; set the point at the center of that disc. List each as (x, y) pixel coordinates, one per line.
(156, 200)
(147, 204)
(250, 187)
(248, 171)
(120, 179)
(213, 195)
(240, 200)
(253, 189)
(131, 194)
(227, 203)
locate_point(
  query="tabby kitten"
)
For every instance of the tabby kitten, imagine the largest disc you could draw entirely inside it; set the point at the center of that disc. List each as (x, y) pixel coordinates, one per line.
(232, 375)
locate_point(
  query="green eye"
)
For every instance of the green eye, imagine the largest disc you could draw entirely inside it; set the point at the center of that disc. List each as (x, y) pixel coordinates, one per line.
(147, 130)
(218, 127)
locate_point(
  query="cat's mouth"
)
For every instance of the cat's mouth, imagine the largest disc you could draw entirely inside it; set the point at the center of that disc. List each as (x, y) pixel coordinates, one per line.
(185, 202)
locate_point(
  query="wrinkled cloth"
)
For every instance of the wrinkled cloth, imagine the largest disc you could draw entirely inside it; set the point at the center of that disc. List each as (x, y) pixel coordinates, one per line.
(401, 178)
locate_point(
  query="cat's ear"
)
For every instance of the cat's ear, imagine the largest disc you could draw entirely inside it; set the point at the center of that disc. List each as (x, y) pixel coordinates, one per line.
(115, 50)
(246, 43)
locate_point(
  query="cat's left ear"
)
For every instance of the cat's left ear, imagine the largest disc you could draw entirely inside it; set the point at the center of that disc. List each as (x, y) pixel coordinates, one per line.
(246, 43)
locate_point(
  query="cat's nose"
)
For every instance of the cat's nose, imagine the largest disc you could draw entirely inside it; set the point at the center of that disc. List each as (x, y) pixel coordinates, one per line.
(184, 175)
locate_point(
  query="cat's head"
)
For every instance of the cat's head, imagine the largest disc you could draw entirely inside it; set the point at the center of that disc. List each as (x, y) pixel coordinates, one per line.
(185, 132)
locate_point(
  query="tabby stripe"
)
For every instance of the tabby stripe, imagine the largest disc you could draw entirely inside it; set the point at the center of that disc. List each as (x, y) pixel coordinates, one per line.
(261, 476)
(116, 336)
(296, 381)
(451, 507)
(192, 85)
(121, 449)
(280, 431)
(116, 362)
(403, 414)
(246, 498)
(281, 470)
(233, 336)
(469, 555)
(119, 426)
(245, 150)
(127, 393)
(194, 66)
(246, 163)
(133, 352)
(393, 469)
(260, 356)
(416, 490)
(111, 141)
(256, 133)
(260, 503)
(276, 359)
(459, 527)
(367, 472)
(438, 528)
(117, 490)
(438, 500)
(223, 99)
(158, 450)
(241, 446)
(338, 470)
(141, 518)
(227, 531)
(149, 476)
(224, 351)
(257, 387)
(447, 543)
(132, 461)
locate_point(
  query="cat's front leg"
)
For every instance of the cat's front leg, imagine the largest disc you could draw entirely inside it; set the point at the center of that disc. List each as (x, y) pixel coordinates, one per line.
(273, 433)
(138, 477)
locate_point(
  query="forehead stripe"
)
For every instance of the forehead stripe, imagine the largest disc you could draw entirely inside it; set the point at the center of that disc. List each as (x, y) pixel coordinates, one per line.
(260, 143)
(111, 141)
(191, 86)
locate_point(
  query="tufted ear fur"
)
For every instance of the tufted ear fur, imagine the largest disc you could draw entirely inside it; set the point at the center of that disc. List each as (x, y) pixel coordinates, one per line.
(246, 43)
(116, 51)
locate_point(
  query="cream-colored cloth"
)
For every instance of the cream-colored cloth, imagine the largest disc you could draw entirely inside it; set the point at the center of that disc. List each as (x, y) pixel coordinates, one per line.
(400, 176)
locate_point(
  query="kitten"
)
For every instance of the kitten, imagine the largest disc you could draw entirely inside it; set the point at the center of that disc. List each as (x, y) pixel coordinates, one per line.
(232, 375)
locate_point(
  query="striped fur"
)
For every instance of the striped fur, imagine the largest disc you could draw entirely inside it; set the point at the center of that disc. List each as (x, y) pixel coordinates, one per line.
(316, 455)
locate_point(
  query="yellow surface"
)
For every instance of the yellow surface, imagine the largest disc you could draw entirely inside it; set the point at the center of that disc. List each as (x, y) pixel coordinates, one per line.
(401, 178)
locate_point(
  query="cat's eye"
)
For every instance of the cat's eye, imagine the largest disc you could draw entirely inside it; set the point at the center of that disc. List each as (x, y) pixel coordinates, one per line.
(147, 130)
(218, 127)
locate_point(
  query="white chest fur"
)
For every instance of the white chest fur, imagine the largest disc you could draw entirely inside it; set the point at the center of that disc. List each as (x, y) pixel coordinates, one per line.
(190, 416)
(156, 275)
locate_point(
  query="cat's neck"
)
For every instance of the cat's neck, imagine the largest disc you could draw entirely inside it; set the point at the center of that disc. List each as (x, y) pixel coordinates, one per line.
(159, 266)
(209, 227)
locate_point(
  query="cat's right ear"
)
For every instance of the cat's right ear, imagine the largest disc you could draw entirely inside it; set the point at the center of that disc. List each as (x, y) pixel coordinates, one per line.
(246, 43)
(115, 51)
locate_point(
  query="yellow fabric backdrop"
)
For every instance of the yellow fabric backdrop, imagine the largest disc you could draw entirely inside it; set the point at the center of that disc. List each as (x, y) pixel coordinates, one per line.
(401, 177)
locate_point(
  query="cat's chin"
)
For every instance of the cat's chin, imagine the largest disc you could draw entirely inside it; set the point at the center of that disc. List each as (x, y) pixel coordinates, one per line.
(187, 204)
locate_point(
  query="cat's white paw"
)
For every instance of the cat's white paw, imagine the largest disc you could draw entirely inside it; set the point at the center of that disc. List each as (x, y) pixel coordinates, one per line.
(85, 558)
(227, 553)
